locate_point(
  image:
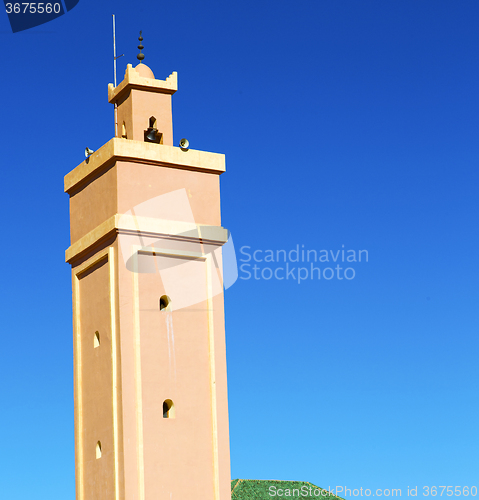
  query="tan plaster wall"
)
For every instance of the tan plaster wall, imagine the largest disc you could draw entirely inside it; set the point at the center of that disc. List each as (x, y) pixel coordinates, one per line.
(137, 108)
(126, 184)
(138, 183)
(96, 383)
(166, 355)
(175, 365)
(93, 204)
(156, 453)
(130, 411)
(222, 399)
(125, 113)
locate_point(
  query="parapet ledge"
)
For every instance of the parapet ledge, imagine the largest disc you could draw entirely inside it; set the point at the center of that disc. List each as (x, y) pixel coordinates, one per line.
(134, 80)
(162, 155)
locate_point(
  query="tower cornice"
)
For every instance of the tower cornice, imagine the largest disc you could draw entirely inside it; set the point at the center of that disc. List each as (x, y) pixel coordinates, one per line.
(117, 149)
(146, 226)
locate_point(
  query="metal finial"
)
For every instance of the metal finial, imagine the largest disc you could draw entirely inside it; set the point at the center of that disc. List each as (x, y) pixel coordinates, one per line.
(140, 56)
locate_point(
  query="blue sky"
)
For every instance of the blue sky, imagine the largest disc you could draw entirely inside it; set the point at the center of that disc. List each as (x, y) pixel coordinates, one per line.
(343, 122)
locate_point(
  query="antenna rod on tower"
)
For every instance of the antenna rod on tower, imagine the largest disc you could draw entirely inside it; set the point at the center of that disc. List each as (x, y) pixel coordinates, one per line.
(114, 51)
(114, 73)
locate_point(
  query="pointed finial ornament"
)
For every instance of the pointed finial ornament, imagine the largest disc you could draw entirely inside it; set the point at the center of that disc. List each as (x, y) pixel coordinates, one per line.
(140, 56)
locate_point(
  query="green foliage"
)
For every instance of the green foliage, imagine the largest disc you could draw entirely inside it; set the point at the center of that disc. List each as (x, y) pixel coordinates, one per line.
(257, 489)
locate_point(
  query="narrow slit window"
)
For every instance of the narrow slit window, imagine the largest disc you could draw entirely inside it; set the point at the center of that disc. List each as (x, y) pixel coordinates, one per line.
(165, 303)
(96, 339)
(168, 409)
(153, 122)
(98, 450)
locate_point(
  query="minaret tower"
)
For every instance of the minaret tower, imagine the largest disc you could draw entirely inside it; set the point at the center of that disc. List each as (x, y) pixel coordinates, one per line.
(151, 415)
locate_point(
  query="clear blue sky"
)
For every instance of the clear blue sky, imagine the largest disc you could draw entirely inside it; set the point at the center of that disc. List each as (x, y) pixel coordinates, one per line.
(343, 122)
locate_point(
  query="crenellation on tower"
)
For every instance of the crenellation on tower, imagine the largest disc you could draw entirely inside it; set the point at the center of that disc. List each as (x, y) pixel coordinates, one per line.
(142, 77)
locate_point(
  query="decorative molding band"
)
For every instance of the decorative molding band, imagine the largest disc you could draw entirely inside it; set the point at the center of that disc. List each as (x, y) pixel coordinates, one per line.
(147, 226)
